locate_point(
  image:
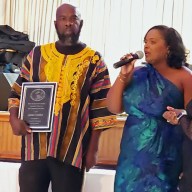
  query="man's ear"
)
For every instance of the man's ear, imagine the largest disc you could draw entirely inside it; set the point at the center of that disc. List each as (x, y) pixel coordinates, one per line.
(81, 24)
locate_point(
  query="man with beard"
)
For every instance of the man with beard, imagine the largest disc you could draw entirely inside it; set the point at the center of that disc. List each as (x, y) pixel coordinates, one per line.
(80, 114)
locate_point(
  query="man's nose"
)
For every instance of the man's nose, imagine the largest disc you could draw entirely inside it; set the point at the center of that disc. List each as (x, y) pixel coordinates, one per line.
(69, 22)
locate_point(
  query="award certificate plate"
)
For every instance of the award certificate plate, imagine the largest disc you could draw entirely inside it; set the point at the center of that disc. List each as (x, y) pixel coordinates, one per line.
(37, 105)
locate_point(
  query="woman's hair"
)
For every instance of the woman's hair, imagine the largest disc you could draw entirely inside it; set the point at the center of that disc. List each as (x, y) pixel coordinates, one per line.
(177, 53)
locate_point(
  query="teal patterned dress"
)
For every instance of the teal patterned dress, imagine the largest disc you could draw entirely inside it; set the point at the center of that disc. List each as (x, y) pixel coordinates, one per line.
(150, 156)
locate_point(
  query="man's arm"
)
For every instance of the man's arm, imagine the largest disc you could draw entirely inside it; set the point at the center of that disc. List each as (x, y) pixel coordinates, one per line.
(91, 156)
(186, 124)
(100, 117)
(19, 127)
(180, 116)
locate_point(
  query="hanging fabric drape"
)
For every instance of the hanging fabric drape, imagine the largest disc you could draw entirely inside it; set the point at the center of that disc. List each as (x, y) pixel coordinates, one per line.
(110, 26)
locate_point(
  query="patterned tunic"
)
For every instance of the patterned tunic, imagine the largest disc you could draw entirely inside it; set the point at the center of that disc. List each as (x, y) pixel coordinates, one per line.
(80, 106)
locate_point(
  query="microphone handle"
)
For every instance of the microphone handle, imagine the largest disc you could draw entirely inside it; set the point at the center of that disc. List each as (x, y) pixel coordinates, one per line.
(122, 62)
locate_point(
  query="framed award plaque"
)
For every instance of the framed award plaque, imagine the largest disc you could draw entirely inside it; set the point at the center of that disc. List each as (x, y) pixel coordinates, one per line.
(37, 105)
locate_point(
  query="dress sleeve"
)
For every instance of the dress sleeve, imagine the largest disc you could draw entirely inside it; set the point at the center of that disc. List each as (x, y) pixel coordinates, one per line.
(189, 109)
(100, 117)
(14, 98)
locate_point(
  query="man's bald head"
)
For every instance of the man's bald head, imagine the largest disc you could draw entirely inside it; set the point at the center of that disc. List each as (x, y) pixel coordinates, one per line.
(64, 7)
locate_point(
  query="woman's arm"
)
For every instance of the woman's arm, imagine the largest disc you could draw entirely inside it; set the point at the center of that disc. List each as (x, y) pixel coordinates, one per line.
(115, 94)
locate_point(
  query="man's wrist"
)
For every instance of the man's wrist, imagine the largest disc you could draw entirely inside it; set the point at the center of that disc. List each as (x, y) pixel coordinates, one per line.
(181, 114)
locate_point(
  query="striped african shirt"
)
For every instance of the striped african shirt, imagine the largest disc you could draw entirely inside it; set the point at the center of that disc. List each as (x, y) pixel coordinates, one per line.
(80, 105)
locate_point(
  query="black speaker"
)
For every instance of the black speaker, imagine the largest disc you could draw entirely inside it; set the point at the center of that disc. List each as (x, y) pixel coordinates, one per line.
(6, 81)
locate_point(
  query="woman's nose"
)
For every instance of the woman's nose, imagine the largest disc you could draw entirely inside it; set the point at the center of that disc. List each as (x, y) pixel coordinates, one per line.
(146, 46)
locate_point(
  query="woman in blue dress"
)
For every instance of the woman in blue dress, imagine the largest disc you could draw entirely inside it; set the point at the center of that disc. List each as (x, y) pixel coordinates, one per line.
(150, 157)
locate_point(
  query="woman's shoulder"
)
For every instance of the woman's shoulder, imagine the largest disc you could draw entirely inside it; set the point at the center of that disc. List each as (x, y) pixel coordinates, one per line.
(186, 69)
(186, 73)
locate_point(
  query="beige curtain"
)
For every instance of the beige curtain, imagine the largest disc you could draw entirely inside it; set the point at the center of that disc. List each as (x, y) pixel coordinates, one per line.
(113, 27)
(34, 17)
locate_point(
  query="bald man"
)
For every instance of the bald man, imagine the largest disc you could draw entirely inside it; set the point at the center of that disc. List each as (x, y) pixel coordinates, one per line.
(80, 113)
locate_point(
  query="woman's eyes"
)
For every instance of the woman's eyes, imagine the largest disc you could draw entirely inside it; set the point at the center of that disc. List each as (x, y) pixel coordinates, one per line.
(150, 42)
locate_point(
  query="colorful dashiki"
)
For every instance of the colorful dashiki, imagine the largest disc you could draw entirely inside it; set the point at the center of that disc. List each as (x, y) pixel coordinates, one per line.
(80, 107)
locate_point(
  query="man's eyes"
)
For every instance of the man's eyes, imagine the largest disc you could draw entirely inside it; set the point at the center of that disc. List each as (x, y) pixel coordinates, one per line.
(72, 19)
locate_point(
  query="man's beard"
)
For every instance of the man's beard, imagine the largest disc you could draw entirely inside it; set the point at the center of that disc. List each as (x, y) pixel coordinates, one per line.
(68, 39)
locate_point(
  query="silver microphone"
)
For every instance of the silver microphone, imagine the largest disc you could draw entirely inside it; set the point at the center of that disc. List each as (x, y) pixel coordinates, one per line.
(137, 55)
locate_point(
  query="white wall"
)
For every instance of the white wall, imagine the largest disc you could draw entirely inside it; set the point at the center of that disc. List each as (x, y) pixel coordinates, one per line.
(96, 180)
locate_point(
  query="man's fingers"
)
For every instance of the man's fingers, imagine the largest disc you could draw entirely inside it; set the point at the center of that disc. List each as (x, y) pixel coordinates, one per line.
(170, 108)
(28, 130)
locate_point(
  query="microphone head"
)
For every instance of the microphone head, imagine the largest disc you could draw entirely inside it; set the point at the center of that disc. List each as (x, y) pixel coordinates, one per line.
(139, 54)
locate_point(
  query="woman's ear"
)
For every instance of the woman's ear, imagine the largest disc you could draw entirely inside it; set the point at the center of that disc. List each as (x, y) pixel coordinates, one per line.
(168, 50)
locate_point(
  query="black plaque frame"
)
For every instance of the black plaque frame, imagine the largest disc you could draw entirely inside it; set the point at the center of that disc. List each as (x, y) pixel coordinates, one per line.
(37, 105)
